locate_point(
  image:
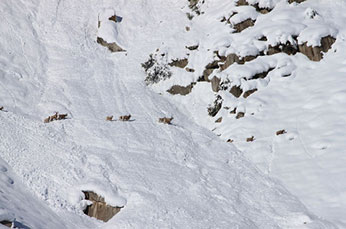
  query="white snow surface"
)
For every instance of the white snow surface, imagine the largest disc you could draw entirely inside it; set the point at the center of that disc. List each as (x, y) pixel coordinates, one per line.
(164, 176)
(309, 102)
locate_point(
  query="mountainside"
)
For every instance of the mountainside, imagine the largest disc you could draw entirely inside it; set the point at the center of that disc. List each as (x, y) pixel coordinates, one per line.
(75, 64)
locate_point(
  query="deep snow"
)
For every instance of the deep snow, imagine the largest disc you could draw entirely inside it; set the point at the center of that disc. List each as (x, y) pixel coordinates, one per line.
(165, 176)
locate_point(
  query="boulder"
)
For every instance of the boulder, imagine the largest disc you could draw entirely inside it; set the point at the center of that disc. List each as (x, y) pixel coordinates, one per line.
(99, 209)
(240, 115)
(315, 53)
(180, 63)
(180, 90)
(236, 91)
(113, 47)
(249, 92)
(215, 84)
(244, 25)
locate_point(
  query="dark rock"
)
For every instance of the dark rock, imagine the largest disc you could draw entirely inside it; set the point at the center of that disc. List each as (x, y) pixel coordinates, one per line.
(234, 111)
(181, 90)
(315, 53)
(261, 75)
(279, 132)
(190, 69)
(113, 47)
(233, 58)
(244, 25)
(219, 120)
(215, 84)
(236, 91)
(240, 115)
(182, 63)
(242, 3)
(214, 109)
(288, 48)
(230, 140)
(251, 139)
(209, 69)
(297, 1)
(193, 47)
(249, 92)
(6, 223)
(263, 38)
(99, 209)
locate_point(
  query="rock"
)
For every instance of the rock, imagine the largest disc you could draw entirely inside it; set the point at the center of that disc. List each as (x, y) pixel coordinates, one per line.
(219, 120)
(236, 91)
(209, 69)
(193, 47)
(187, 28)
(288, 48)
(214, 109)
(190, 69)
(279, 132)
(99, 209)
(240, 115)
(242, 3)
(6, 223)
(244, 25)
(234, 111)
(181, 90)
(233, 58)
(261, 75)
(315, 53)
(297, 1)
(249, 92)
(263, 38)
(251, 139)
(113, 47)
(230, 140)
(215, 84)
(179, 63)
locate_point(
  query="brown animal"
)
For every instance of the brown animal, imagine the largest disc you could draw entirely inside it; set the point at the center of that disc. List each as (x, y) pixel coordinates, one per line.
(279, 132)
(1, 108)
(109, 118)
(250, 139)
(125, 117)
(230, 140)
(46, 120)
(166, 120)
(54, 117)
(62, 116)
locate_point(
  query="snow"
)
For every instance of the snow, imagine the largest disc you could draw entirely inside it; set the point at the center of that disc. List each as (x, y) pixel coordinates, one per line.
(164, 176)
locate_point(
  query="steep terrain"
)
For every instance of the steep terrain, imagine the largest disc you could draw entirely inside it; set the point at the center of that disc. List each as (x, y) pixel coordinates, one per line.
(162, 176)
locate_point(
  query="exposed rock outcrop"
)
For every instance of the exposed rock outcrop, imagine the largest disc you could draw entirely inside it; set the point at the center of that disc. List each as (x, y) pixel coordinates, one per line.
(261, 75)
(315, 53)
(215, 84)
(288, 48)
(297, 1)
(113, 47)
(214, 109)
(99, 209)
(244, 25)
(236, 91)
(181, 90)
(180, 63)
(249, 92)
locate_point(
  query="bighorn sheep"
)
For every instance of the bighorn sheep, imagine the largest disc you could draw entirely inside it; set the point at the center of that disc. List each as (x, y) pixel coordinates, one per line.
(125, 117)
(166, 120)
(109, 118)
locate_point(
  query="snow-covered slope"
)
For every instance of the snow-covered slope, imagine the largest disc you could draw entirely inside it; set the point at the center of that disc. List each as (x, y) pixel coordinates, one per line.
(273, 89)
(164, 176)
